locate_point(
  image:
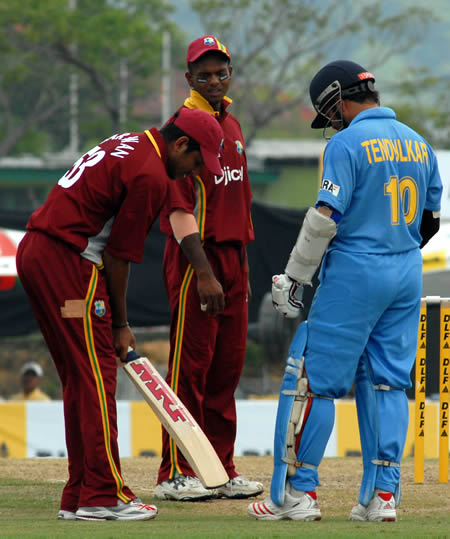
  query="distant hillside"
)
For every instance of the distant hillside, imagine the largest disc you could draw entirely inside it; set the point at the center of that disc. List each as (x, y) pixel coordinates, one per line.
(430, 50)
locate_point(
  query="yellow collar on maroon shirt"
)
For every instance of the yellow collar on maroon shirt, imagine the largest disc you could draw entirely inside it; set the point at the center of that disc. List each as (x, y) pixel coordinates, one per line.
(153, 141)
(197, 101)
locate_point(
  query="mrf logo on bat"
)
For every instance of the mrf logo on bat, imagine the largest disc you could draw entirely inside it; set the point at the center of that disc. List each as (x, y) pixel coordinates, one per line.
(147, 375)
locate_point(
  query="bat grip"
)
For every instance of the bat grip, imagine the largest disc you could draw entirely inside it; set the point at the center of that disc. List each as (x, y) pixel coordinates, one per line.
(132, 355)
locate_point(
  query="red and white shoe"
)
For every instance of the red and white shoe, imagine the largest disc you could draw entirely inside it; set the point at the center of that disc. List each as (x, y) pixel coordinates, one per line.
(381, 508)
(122, 511)
(304, 507)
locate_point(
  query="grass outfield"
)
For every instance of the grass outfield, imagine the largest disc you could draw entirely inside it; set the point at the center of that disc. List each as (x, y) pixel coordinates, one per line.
(30, 491)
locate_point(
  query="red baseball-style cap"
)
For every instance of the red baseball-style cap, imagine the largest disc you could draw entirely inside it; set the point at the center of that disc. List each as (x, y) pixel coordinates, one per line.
(205, 44)
(205, 129)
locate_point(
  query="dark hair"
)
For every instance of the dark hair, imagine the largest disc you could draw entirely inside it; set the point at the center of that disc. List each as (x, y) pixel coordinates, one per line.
(171, 132)
(210, 54)
(362, 97)
(362, 92)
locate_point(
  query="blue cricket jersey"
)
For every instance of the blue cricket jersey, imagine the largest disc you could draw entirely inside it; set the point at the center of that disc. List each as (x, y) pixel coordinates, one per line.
(380, 175)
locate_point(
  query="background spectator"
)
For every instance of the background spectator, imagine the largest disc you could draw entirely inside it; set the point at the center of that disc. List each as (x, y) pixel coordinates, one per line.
(31, 374)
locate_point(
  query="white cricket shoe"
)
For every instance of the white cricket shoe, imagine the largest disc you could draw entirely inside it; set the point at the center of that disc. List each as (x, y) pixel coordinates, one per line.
(66, 515)
(381, 508)
(240, 487)
(184, 488)
(121, 511)
(304, 507)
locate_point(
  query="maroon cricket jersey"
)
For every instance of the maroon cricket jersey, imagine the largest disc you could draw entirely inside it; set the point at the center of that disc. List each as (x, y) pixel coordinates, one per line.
(110, 197)
(221, 205)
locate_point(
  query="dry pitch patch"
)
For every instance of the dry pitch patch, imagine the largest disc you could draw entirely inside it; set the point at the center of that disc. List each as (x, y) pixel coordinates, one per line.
(338, 492)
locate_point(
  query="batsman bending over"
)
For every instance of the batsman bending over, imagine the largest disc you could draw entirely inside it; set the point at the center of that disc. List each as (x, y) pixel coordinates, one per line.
(378, 204)
(74, 263)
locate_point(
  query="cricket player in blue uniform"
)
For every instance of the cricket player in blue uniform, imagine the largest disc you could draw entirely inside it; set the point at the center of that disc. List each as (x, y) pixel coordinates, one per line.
(378, 204)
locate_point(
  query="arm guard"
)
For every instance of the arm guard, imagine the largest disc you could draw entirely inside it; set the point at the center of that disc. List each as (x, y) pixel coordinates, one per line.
(315, 235)
(429, 225)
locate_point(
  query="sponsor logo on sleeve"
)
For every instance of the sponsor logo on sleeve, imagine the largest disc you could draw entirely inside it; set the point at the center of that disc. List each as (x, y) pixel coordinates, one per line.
(328, 185)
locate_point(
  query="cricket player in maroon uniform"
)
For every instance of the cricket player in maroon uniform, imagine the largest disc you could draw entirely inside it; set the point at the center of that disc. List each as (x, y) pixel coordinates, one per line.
(74, 265)
(208, 225)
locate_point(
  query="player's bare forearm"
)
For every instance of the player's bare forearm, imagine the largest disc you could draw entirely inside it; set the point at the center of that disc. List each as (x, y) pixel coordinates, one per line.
(249, 287)
(208, 287)
(117, 272)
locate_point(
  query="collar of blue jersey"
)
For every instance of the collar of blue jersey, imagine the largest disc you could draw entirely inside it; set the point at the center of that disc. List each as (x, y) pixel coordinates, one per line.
(197, 101)
(374, 112)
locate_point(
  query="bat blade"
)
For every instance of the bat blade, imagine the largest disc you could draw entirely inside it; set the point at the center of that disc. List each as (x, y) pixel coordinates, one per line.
(177, 420)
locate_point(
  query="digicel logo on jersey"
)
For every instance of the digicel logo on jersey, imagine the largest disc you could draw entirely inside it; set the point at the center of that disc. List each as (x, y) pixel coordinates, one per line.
(234, 175)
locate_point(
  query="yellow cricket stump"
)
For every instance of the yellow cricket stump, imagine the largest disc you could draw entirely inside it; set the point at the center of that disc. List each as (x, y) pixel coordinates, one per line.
(444, 389)
(421, 369)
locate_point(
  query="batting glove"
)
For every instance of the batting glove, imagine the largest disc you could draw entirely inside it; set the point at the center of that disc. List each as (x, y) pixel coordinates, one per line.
(287, 296)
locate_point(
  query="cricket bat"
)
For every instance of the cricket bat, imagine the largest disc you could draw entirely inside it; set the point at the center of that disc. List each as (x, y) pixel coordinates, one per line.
(177, 421)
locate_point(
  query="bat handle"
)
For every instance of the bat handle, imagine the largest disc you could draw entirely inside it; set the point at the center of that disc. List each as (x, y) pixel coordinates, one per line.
(132, 355)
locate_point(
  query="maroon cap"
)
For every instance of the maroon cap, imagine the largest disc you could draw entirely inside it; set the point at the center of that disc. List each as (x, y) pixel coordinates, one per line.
(205, 44)
(205, 129)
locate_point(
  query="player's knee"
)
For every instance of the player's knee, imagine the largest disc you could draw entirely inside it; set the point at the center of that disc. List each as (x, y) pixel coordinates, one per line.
(334, 389)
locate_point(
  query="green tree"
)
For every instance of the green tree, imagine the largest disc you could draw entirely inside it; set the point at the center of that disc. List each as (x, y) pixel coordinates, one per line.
(428, 110)
(42, 43)
(278, 45)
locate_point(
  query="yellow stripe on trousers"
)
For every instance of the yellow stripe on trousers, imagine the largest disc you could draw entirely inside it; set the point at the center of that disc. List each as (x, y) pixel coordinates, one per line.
(90, 345)
(174, 466)
(200, 218)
